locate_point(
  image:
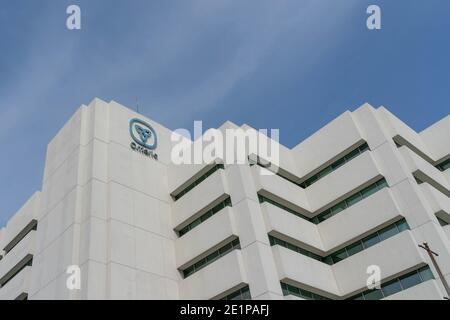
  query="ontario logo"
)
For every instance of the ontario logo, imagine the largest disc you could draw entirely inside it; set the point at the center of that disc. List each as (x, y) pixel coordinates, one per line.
(144, 138)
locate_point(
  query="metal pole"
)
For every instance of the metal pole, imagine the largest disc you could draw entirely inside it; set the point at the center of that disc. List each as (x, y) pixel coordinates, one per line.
(438, 270)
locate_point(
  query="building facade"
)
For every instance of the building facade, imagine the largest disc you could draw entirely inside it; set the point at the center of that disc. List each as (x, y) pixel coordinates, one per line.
(354, 200)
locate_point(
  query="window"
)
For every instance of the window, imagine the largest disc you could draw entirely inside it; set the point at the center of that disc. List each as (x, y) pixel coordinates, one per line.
(355, 248)
(396, 285)
(388, 232)
(349, 250)
(208, 214)
(263, 199)
(426, 274)
(444, 165)
(328, 213)
(198, 181)
(241, 294)
(353, 199)
(211, 257)
(375, 294)
(402, 225)
(335, 165)
(391, 287)
(369, 190)
(371, 241)
(339, 255)
(410, 280)
(305, 294)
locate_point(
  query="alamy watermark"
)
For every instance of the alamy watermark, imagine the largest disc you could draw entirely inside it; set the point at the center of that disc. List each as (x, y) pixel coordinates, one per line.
(229, 146)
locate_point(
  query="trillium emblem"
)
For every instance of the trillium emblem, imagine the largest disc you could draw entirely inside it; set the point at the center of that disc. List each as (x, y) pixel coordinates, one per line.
(145, 133)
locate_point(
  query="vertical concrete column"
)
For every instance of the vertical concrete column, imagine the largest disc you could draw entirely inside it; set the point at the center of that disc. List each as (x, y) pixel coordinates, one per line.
(408, 196)
(255, 247)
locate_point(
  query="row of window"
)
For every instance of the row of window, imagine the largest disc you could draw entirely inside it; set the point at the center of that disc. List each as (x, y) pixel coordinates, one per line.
(241, 294)
(396, 285)
(389, 288)
(353, 199)
(305, 294)
(262, 199)
(276, 173)
(344, 204)
(197, 181)
(235, 244)
(208, 214)
(322, 173)
(444, 165)
(335, 165)
(441, 166)
(351, 249)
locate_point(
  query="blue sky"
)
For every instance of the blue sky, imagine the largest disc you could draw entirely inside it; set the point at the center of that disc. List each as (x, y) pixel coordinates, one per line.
(293, 65)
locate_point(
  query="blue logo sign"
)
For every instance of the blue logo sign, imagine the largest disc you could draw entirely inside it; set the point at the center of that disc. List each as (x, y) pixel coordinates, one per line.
(144, 132)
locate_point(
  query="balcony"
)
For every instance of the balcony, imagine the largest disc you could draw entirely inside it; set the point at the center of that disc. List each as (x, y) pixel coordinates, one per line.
(377, 210)
(209, 234)
(201, 198)
(215, 279)
(301, 271)
(281, 190)
(284, 224)
(393, 256)
(340, 183)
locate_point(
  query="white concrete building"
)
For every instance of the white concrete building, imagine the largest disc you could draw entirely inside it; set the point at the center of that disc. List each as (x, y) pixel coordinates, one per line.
(364, 190)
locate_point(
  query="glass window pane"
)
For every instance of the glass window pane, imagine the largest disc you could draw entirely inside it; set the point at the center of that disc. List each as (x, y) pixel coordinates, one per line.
(188, 271)
(246, 294)
(291, 247)
(315, 220)
(382, 183)
(352, 154)
(410, 280)
(364, 147)
(325, 215)
(391, 288)
(200, 264)
(324, 172)
(340, 255)
(293, 290)
(388, 232)
(445, 165)
(311, 180)
(402, 225)
(305, 294)
(370, 241)
(234, 296)
(426, 274)
(283, 286)
(373, 295)
(338, 208)
(338, 163)
(213, 256)
(195, 223)
(328, 260)
(354, 248)
(226, 248)
(354, 199)
(369, 190)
